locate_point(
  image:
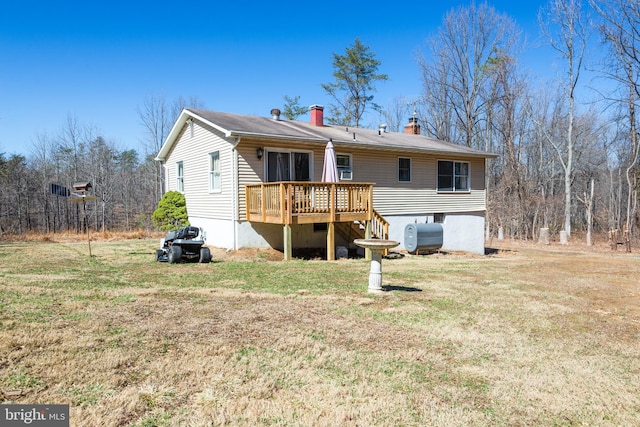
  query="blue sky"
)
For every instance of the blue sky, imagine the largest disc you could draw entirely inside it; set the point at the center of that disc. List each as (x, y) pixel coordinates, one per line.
(97, 61)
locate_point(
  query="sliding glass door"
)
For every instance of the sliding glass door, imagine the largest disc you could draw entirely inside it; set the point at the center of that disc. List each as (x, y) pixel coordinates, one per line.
(288, 166)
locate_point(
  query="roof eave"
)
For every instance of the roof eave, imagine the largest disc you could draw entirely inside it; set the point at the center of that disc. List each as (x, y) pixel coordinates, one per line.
(173, 135)
(274, 137)
(443, 151)
(185, 115)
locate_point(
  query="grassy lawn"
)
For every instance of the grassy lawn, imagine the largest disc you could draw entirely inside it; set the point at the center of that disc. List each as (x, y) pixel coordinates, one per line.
(529, 335)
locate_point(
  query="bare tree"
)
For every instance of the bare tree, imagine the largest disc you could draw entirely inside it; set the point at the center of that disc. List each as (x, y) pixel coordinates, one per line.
(506, 130)
(158, 116)
(620, 29)
(457, 69)
(396, 113)
(438, 119)
(563, 24)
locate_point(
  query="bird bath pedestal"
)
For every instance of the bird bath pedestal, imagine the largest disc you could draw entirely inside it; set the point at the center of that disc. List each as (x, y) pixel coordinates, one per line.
(376, 246)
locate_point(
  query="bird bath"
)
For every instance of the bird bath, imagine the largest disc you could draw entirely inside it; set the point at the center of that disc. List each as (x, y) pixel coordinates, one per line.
(376, 246)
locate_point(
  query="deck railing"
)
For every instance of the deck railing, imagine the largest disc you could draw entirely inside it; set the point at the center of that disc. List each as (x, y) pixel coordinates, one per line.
(308, 202)
(379, 226)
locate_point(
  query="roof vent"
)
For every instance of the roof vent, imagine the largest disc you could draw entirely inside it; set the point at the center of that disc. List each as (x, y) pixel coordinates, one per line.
(275, 114)
(382, 128)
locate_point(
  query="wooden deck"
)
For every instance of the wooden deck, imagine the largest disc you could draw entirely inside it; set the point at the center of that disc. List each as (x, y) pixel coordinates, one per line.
(309, 202)
(290, 203)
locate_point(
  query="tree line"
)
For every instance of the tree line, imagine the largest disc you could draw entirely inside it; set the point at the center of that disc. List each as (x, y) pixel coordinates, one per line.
(37, 192)
(568, 153)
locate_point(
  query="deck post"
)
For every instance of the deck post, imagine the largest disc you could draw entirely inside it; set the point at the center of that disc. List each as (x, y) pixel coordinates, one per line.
(331, 238)
(283, 205)
(286, 235)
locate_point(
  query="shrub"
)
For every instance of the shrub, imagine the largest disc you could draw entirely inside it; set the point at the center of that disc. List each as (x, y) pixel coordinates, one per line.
(171, 213)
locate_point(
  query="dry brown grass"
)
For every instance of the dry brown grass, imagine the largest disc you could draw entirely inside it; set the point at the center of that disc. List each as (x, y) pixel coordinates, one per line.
(73, 236)
(529, 335)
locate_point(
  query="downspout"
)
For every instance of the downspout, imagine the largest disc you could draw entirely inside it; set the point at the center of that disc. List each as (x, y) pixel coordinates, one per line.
(165, 178)
(235, 194)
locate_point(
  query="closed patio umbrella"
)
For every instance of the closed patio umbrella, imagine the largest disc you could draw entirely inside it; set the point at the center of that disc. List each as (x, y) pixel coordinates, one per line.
(330, 167)
(330, 174)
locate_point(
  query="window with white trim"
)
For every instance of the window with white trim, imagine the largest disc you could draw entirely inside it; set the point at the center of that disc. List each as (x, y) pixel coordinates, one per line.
(180, 177)
(214, 171)
(453, 176)
(404, 169)
(344, 166)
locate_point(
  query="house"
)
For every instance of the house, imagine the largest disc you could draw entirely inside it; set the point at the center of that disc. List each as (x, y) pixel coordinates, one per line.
(256, 182)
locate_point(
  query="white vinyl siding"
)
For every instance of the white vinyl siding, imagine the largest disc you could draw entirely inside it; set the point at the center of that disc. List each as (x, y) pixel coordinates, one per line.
(250, 171)
(391, 197)
(193, 151)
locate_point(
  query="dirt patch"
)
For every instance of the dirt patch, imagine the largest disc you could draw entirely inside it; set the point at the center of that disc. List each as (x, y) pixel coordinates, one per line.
(246, 254)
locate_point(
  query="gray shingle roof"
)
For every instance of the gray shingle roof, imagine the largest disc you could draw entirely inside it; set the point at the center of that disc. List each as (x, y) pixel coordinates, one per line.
(269, 128)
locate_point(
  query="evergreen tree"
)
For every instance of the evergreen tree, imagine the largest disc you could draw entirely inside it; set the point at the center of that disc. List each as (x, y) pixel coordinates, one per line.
(171, 213)
(355, 72)
(292, 108)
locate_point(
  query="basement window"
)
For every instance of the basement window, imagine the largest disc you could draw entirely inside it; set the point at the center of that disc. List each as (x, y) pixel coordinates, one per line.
(319, 226)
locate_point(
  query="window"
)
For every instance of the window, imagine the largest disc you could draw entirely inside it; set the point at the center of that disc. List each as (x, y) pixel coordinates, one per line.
(344, 166)
(319, 226)
(453, 176)
(180, 177)
(404, 169)
(214, 171)
(438, 218)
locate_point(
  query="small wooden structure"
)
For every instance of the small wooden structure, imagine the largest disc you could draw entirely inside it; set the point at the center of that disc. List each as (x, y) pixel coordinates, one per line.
(619, 237)
(291, 202)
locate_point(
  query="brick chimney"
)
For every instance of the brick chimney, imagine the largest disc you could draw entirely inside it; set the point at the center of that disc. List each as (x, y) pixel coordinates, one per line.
(317, 112)
(412, 127)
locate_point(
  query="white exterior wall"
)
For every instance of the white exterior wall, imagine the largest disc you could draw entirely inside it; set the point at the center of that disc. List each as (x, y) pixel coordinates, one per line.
(213, 211)
(193, 149)
(460, 231)
(259, 235)
(218, 232)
